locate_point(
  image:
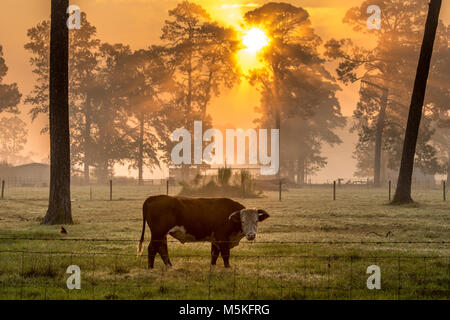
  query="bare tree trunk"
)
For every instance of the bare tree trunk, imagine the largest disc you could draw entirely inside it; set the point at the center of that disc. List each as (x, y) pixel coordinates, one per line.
(59, 208)
(277, 119)
(291, 170)
(189, 71)
(87, 139)
(301, 172)
(105, 172)
(448, 170)
(403, 191)
(141, 151)
(305, 179)
(379, 139)
(87, 178)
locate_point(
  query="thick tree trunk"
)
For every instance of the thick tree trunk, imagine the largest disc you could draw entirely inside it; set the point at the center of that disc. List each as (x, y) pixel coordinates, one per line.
(141, 151)
(59, 208)
(87, 140)
(403, 191)
(379, 139)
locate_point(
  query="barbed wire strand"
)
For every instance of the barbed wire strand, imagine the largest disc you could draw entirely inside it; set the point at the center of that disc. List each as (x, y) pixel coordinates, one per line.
(285, 289)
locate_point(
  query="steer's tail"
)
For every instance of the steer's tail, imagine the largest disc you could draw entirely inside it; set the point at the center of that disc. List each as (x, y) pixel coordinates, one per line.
(140, 247)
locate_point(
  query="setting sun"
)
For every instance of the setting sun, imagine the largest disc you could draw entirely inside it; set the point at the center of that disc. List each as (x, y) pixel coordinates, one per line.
(255, 39)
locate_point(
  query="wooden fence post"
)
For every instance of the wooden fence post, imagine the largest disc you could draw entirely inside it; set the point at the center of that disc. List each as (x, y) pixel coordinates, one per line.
(280, 186)
(334, 190)
(443, 191)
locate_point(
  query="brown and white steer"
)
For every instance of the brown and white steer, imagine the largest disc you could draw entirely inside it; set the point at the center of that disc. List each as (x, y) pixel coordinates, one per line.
(221, 221)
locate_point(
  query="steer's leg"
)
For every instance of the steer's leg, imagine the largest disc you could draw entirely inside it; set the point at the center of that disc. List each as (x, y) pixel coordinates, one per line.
(165, 252)
(225, 252)
(215, 251)
(151, 254)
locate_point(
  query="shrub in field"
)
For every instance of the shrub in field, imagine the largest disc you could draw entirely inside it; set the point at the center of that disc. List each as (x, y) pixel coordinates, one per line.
(242, 186)
(223, 176)
(247, 183)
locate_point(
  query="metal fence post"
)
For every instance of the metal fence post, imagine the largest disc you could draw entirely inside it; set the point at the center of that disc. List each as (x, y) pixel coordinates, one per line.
(110, 190)
(22, 276)
(399, 287)
(234, 283)
(257, 278)
(3, 189)
(351, 276)
(209, 282)
(93, 273)
(328, 276)
(167, 191)
(114, 297)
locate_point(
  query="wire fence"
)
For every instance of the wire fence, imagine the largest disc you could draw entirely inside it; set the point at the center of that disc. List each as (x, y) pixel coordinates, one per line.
(263, 270)
(116, 191)
(107, 192)
(322, 242)
(33, 267)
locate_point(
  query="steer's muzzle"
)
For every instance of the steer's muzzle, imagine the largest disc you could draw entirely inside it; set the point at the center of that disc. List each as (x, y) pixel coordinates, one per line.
(251, 236)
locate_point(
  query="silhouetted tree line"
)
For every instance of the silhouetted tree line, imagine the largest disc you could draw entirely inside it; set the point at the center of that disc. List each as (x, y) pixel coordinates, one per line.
(390, 66)
(124, 103)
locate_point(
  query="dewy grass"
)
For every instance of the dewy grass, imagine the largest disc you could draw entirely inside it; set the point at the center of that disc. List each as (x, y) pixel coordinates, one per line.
(310, 248)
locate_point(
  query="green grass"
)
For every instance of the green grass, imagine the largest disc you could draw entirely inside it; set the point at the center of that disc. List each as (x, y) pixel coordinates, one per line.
(293, 257)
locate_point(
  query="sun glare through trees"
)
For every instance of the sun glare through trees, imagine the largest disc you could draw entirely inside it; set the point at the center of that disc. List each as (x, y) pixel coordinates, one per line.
(255, 40)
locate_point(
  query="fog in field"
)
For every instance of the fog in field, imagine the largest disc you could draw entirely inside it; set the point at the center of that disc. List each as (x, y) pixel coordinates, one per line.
(140, 69)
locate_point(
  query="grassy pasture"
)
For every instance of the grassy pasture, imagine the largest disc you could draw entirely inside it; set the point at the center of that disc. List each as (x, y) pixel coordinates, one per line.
(310, 248)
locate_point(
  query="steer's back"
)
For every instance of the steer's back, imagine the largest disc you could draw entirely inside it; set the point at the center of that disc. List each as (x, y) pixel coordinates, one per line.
(200, 217)
(214, 210)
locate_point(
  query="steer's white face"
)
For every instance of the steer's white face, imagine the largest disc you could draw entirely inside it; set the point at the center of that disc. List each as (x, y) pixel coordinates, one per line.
(249, 223)
(249, 219)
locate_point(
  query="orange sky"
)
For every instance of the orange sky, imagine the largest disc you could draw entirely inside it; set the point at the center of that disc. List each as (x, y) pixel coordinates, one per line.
(138, 23)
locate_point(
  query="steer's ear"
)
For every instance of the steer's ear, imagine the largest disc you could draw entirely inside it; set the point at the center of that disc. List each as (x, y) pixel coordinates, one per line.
(235, 217)
(262, 215)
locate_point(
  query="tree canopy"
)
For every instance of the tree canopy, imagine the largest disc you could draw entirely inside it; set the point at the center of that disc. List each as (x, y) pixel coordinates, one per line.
(298, 93)
(9, 93)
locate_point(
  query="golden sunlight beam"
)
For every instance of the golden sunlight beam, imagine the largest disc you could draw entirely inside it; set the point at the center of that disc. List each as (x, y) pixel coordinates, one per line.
(254, 40)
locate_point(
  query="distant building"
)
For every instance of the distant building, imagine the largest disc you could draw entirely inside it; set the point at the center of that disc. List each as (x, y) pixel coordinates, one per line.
(27, 175)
